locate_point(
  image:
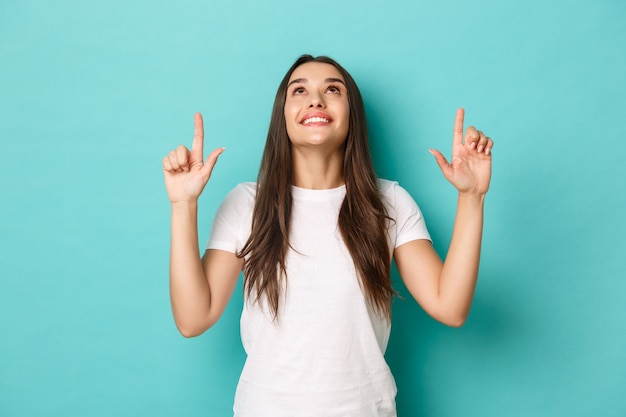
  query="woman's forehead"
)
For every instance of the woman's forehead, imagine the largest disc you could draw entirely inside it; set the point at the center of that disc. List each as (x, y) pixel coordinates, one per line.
(315, 70)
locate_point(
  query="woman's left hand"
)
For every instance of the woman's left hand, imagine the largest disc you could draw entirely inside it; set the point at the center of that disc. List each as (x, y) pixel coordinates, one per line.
(470, 168)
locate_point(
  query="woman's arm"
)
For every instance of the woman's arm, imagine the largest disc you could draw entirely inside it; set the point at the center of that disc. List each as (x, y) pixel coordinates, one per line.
(199, 288)
(445, 289)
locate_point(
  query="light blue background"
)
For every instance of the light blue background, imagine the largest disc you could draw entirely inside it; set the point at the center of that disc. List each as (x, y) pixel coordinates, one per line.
(94, 93)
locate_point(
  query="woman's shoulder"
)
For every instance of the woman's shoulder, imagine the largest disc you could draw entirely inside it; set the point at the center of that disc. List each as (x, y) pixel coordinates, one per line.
(393, 193)
(387, 188)
(384, 185)
(246, 189)
(242, 195)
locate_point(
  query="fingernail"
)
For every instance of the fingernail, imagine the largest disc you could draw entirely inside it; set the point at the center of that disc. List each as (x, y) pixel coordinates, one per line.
(480, 148)
(488, 151)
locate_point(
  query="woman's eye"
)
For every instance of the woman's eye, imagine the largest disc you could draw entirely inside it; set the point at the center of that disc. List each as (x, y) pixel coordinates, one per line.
(333, 89)
(298, 90)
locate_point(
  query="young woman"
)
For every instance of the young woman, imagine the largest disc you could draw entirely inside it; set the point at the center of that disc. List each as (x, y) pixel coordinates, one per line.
(315, 237)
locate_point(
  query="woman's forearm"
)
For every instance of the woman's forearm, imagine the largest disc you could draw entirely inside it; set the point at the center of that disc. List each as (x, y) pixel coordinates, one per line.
(189, 287)
(460, 269)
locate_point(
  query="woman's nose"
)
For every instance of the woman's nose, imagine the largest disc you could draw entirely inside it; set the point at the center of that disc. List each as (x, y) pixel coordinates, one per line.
(316, 101)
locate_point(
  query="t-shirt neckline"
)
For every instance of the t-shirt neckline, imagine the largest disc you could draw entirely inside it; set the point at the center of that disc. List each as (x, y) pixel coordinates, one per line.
(299, 193)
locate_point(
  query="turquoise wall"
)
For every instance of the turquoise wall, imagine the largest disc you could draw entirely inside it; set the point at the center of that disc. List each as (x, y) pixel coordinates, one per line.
(94, 93)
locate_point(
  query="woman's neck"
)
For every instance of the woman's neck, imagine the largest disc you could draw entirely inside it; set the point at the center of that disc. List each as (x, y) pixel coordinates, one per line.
(316, 171)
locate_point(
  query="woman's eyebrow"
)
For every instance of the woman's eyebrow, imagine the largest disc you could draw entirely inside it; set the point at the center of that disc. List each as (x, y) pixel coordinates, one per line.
(297, 81)
(304, 81)
(334, 80)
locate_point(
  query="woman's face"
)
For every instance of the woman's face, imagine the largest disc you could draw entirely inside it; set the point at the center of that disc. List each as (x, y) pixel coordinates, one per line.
(316, 107)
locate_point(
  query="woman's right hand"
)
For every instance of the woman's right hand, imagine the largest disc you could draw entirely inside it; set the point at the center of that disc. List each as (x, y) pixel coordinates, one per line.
(185, 173)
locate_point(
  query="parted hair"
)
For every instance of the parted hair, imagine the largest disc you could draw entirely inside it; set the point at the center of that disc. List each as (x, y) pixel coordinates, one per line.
(362, 219)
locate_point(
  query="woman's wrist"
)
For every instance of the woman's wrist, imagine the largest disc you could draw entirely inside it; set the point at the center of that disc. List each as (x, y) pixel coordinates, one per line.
(182, 204)
(472, 198)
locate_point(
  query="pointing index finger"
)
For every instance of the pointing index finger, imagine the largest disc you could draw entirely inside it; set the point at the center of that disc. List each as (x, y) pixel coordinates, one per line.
(198, 136)
(457, 138)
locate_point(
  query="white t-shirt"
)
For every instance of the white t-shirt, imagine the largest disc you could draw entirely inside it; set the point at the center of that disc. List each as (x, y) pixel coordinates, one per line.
(324, 356)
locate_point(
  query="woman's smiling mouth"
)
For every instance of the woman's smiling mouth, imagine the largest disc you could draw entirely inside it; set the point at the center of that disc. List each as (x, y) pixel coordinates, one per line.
(315, 119)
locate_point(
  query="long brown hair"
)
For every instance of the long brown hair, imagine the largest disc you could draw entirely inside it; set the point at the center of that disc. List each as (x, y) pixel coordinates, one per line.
(362, 219)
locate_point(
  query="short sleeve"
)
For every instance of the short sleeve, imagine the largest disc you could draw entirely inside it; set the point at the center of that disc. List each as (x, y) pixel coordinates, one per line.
(408, 221)
(232, 222)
